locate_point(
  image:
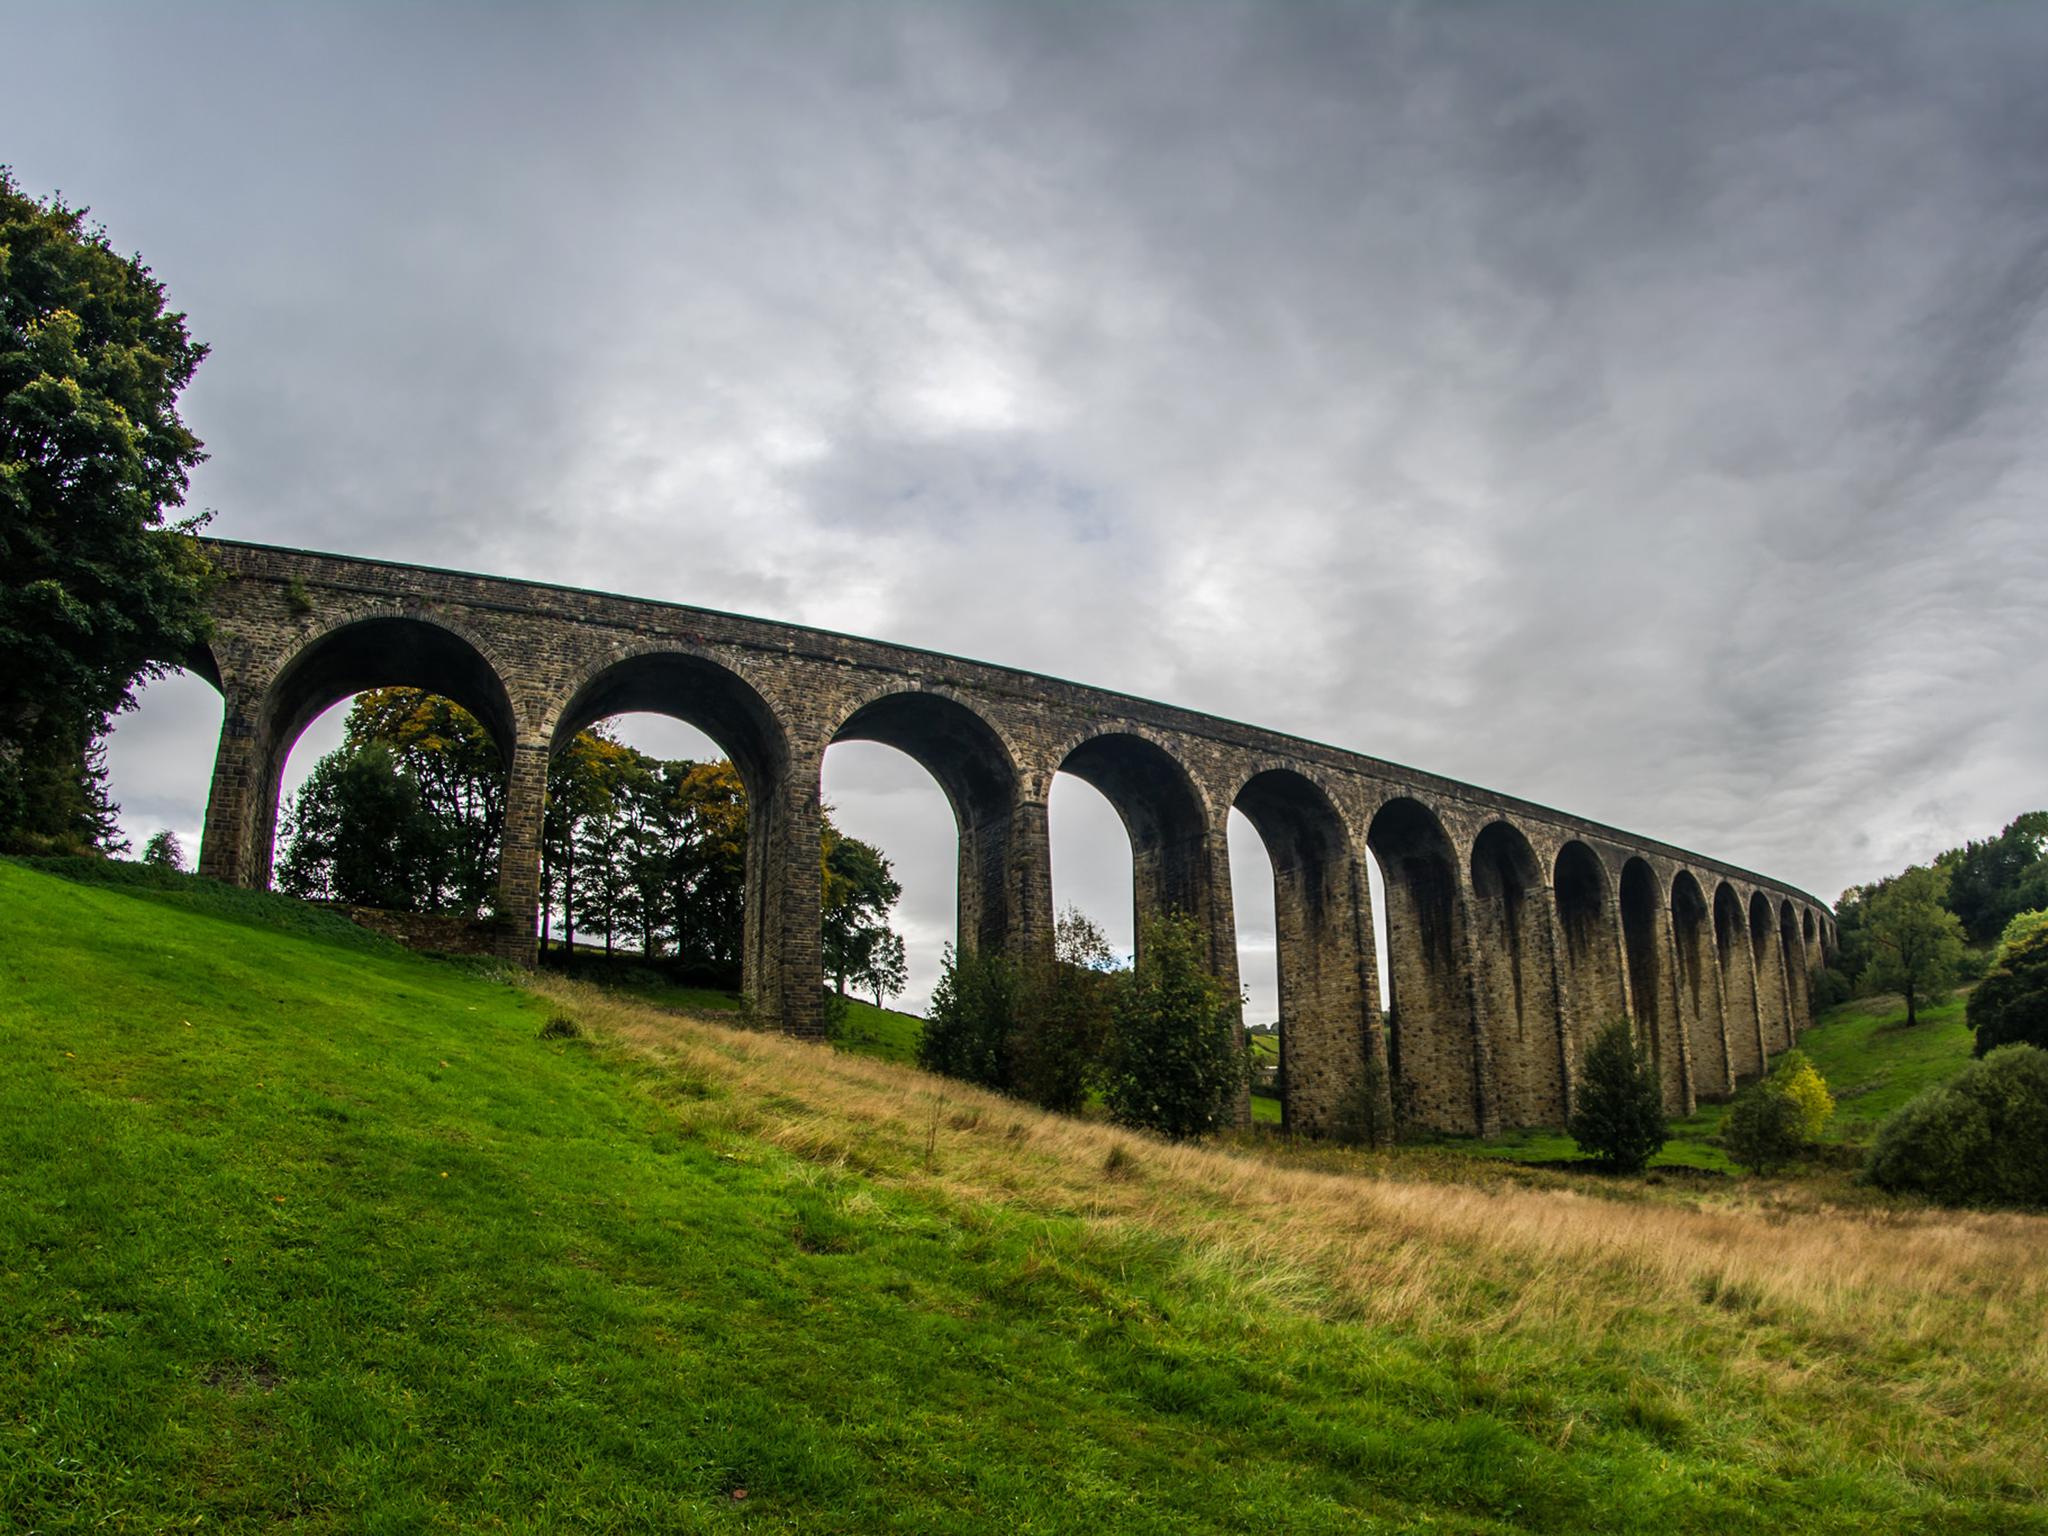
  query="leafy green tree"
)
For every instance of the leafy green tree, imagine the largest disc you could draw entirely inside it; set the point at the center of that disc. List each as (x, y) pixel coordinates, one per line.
(970, 1030)
(1618, 1112)
(359, 832)
(1981, 1138)
(461, 777)
(1991, 880)
(1765, 1128)
(2010, 1006)
(2024, 926)
(860, 889)
(163, 850)
(887, 971)
(1174, 1064)
(1065, 1020)
(100, 592)
(1915, 942)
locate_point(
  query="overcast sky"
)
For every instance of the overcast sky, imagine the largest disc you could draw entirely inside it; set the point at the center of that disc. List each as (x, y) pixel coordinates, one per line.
(1643, 410)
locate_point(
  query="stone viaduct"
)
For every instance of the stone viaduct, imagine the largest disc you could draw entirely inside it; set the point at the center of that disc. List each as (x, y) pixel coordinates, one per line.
(1513, 930)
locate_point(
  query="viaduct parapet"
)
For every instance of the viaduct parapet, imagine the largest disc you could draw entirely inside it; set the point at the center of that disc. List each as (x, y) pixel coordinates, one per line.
(1513, 930)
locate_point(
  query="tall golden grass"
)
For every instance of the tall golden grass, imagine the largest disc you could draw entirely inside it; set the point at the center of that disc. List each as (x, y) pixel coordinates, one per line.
(1807, 1304)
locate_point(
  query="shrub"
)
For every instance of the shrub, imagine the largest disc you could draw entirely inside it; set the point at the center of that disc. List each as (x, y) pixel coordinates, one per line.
(1979, 1139)
(1618, 1113)
(2010, 1006)
(969, 1033)
(1064, 1016)
(1830, 989)
(1367, 1115)
(2023, 927)
(1174, 1065)
(1765, 1128)
(1795, 1076)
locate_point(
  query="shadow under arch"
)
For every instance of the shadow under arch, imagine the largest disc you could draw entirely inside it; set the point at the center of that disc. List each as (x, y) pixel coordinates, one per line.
(1432, 1049)
(1699, 990)
(1798, 1001)
(1652, 999)
(1163, 816)
(1773, 1006)
(969, 761)
(1746, 1048)
(1323, 938)
(1515, 976)
(1590, 952)
(378, 651)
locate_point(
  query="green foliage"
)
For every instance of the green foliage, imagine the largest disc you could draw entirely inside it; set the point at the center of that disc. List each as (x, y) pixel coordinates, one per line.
(1794, 1075)
(1765, 1128)
(1991, 880)
(2024, 926)
(860, 890)
(1366, 1115)
(1618, 1111)
(1915, 943)
(1064, 1015)
(2010, 1006)
(163, 850)
(358, 831)
(1174, 1064)
(1831, 988)
(1979, 1139)
(970, 1030)
(99, 591)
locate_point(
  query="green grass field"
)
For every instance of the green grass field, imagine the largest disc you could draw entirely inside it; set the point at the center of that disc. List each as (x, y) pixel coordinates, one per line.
(299, 1230)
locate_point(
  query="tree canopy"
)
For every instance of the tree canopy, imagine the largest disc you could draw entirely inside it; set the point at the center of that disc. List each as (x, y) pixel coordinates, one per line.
(1916, 943)
(100, 591)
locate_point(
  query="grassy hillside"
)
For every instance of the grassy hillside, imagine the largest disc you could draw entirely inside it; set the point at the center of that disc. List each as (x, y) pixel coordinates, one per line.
(1872, 1062)
(296, 1230)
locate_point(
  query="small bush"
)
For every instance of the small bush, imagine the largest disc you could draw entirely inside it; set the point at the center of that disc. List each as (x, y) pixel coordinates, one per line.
(1618, 1114)
(1366, 1115)
(1979, 1139)
(1765, 1128)
(561, 1027)
(1830, 989)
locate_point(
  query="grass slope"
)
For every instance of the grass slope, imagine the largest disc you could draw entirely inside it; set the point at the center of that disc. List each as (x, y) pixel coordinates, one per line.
(298, 1232)
(1872, 1062)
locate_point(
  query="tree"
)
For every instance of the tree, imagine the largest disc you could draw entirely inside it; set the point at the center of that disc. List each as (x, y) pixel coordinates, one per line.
(1981, 1138)
(163, 850)
(1794, 1075)
(888, 967)
(358, 832)
(1065, 1020)
(973, 1019)
(1174, 1063)
(860, 889)
(100, 591)
(1916, 943)
(1991, 880)
(2010, 1006)
(461, 778)
(1764, 1129)
(1618, 1113)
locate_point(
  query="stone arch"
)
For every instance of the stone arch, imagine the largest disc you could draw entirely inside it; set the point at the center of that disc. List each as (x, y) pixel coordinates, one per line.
(974, 767)
(1515, 977)
(1798, 1000)
(1646, 941)
(1323, 931)
(783, 822)
(1434, 1049)
(1698, 987)
(1768, 956)
(1589, 952)
(1167, 821)
(351, 656)
(1747, 1051)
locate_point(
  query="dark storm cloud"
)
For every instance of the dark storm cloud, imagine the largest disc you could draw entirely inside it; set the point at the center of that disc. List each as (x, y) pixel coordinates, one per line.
(1638, 409)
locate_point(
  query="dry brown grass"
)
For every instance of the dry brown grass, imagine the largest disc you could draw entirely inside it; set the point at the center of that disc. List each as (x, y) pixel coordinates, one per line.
(1805, 1303)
